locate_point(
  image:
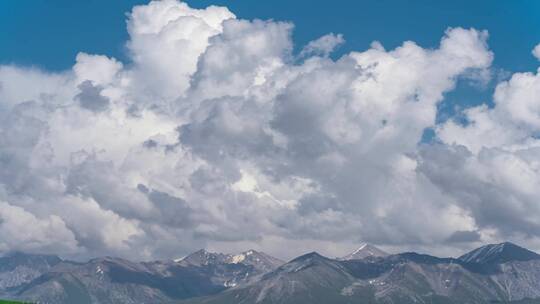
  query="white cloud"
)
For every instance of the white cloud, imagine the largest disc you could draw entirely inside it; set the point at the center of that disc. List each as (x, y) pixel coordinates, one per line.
(21, 230)
(514, 120)
(496, 155)
(101, 70)
(323, 45)
(215, 136)
(536, 51)
(166, 40)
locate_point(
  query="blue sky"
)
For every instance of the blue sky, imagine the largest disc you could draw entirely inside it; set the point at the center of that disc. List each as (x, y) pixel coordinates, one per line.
(49, 33)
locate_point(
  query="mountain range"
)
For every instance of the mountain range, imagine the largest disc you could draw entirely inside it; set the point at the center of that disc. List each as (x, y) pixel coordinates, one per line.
(498, 273)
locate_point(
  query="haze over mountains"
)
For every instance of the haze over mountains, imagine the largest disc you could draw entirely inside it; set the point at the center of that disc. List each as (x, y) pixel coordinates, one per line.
(504, 273)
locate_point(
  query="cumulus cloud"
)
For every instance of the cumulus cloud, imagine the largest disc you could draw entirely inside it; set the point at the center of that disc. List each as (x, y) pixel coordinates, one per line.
(21, 230)
(166, 39)
(215, 136)
(496, 155)
(323, 45)
(90, 97)
(536, 51)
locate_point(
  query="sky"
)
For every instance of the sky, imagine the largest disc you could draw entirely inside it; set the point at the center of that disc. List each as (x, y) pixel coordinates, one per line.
(98, 26)
(150, 130)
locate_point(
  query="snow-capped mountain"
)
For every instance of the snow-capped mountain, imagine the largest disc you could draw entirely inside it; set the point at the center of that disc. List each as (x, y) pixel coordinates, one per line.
(310, 278)
(402, 278)
(499, 253)
(260, 261)
(230, 270)
(203, 257)
(111, 280)
(365, 250)
(499, 273)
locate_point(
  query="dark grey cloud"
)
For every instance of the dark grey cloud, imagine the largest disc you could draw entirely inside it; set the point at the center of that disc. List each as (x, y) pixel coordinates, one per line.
(493, 202)
(90, 97)
(150, 143)
(20, 131)
(174, 211)
(464, 237)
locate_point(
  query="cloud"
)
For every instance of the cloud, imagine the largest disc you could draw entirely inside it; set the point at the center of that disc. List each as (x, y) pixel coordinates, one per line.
(23, 231)
(464, 237)
(323, 46)
(99, 70)
(536, 51)
(496, 155)
(90, 97)
(166, 39)
(216, 136)
(514, 120)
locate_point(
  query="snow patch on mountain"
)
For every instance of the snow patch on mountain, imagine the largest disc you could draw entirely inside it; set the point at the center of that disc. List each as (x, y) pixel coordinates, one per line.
(499, 253)
(365, 250)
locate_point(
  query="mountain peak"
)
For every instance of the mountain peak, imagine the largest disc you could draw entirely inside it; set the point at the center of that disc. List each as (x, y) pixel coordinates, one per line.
(305, 261)
(203, 257)
(365, 250)
(241, 257)
(259, 260)
(310, 255)
(499, 253)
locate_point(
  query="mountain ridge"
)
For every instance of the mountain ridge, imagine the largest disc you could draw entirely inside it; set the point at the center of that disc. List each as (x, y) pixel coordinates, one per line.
(363, 251)
(499, 253)
(496, 272)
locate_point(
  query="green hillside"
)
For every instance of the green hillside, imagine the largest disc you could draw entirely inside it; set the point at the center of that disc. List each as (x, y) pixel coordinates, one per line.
(11, 302)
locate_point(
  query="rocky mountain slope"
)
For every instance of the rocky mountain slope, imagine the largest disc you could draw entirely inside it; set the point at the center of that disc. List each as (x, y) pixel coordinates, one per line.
(365, 250)
(19, 268)
(113, 280)
(260, 261)
(510, 275)
(499, 273)
(499, 253)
